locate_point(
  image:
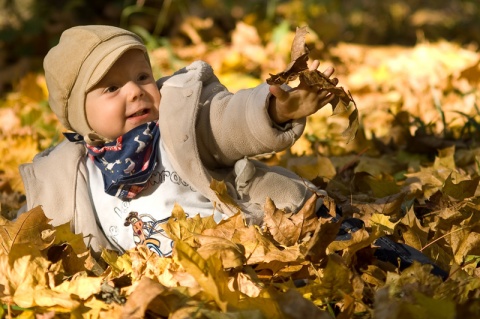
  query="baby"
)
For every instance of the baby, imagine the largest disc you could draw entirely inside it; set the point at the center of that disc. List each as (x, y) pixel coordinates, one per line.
(137, 146)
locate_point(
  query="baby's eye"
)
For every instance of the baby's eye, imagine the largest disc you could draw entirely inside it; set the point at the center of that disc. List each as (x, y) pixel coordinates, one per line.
(143, 77)
(111, 89)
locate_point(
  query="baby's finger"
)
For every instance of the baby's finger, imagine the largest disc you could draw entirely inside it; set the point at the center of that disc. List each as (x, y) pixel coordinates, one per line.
(329, 71)
(314, 65)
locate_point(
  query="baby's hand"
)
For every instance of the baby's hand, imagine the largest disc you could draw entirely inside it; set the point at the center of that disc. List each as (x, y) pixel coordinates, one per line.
(298, 102)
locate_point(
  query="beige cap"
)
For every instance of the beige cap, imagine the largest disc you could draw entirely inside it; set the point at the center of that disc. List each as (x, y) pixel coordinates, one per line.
(81, 59)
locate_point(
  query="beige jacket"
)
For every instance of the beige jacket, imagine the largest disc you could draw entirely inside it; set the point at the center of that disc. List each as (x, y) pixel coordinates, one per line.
(207, 132)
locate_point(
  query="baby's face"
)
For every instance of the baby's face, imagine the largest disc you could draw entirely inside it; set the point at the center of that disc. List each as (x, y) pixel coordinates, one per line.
(125, 98)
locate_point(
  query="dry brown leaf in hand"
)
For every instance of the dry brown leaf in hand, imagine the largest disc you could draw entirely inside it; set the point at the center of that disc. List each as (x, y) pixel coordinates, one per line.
(298, 68)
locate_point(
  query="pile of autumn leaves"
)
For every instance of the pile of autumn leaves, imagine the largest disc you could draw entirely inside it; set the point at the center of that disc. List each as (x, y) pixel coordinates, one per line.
(231, 270)
(414, 187)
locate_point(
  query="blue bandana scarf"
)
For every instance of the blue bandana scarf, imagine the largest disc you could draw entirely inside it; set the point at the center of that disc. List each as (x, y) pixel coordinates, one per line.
(128, 162)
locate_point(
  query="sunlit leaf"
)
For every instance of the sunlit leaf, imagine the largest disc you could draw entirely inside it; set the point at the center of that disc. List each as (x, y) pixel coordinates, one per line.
(179, 227)
(208, 273)
(27, 229)
(220, 189)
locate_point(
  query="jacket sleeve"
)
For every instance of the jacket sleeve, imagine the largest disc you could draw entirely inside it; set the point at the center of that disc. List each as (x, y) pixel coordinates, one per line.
(232, 126)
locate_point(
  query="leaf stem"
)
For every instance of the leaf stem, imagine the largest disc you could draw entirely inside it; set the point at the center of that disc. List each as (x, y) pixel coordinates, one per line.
(449, 233)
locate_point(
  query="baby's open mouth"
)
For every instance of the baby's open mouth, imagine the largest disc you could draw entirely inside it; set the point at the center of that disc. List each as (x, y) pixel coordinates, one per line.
(139, 113)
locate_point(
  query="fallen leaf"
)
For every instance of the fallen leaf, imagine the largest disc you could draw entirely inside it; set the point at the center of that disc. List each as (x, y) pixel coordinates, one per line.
(149, 297)
(230, 254)
(220, 189)
(280, 225)
(208, 273)
(461, 190)
(26, 229)
(179, 227)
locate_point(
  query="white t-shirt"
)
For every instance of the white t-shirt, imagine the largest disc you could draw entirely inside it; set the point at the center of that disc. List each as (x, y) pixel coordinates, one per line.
(130, 222)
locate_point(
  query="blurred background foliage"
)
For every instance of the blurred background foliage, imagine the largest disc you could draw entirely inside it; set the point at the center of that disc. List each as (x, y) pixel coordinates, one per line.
(28, 28)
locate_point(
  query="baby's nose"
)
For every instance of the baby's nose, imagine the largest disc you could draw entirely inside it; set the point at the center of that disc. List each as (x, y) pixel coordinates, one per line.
(134, 90)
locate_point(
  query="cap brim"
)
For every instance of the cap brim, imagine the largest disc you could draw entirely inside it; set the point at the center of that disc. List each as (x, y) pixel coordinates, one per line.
(109, 59)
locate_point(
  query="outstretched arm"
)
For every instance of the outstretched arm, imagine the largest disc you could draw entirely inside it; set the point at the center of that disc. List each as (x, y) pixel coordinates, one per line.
(299, 102)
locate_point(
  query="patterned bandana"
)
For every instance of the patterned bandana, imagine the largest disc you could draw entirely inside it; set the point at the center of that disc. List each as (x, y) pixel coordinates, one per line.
(128, 162)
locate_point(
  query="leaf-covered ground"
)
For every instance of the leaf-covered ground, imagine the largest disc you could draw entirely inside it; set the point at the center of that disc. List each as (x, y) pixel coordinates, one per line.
(411, 174)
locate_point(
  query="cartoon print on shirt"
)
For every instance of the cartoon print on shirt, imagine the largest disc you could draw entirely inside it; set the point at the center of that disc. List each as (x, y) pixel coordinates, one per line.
(113, 231)
(147, 231)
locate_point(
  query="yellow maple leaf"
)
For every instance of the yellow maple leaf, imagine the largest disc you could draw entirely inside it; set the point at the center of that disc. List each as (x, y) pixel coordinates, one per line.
(220, 189)
(27, 229)
(230, 254)
(80, 285)
(179, 227)
(383, 222)
(119, 265)
(333, 281)
(208, 273)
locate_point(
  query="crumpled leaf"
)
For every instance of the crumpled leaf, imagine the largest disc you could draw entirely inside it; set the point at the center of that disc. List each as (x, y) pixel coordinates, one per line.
(332, 282)
(220, 189)
(208, 273)
(298, 68)
(26, 229)
(295, 306)
(325, 233)
(384, 223)
(80, 285)
(179, 227)
(360, 239)
(288, 228)
(280, 225)
(230, 254)
(244, 283)
(25, 282)
(119, 265)
(152, 297)
(461, 190)
(306, 218)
